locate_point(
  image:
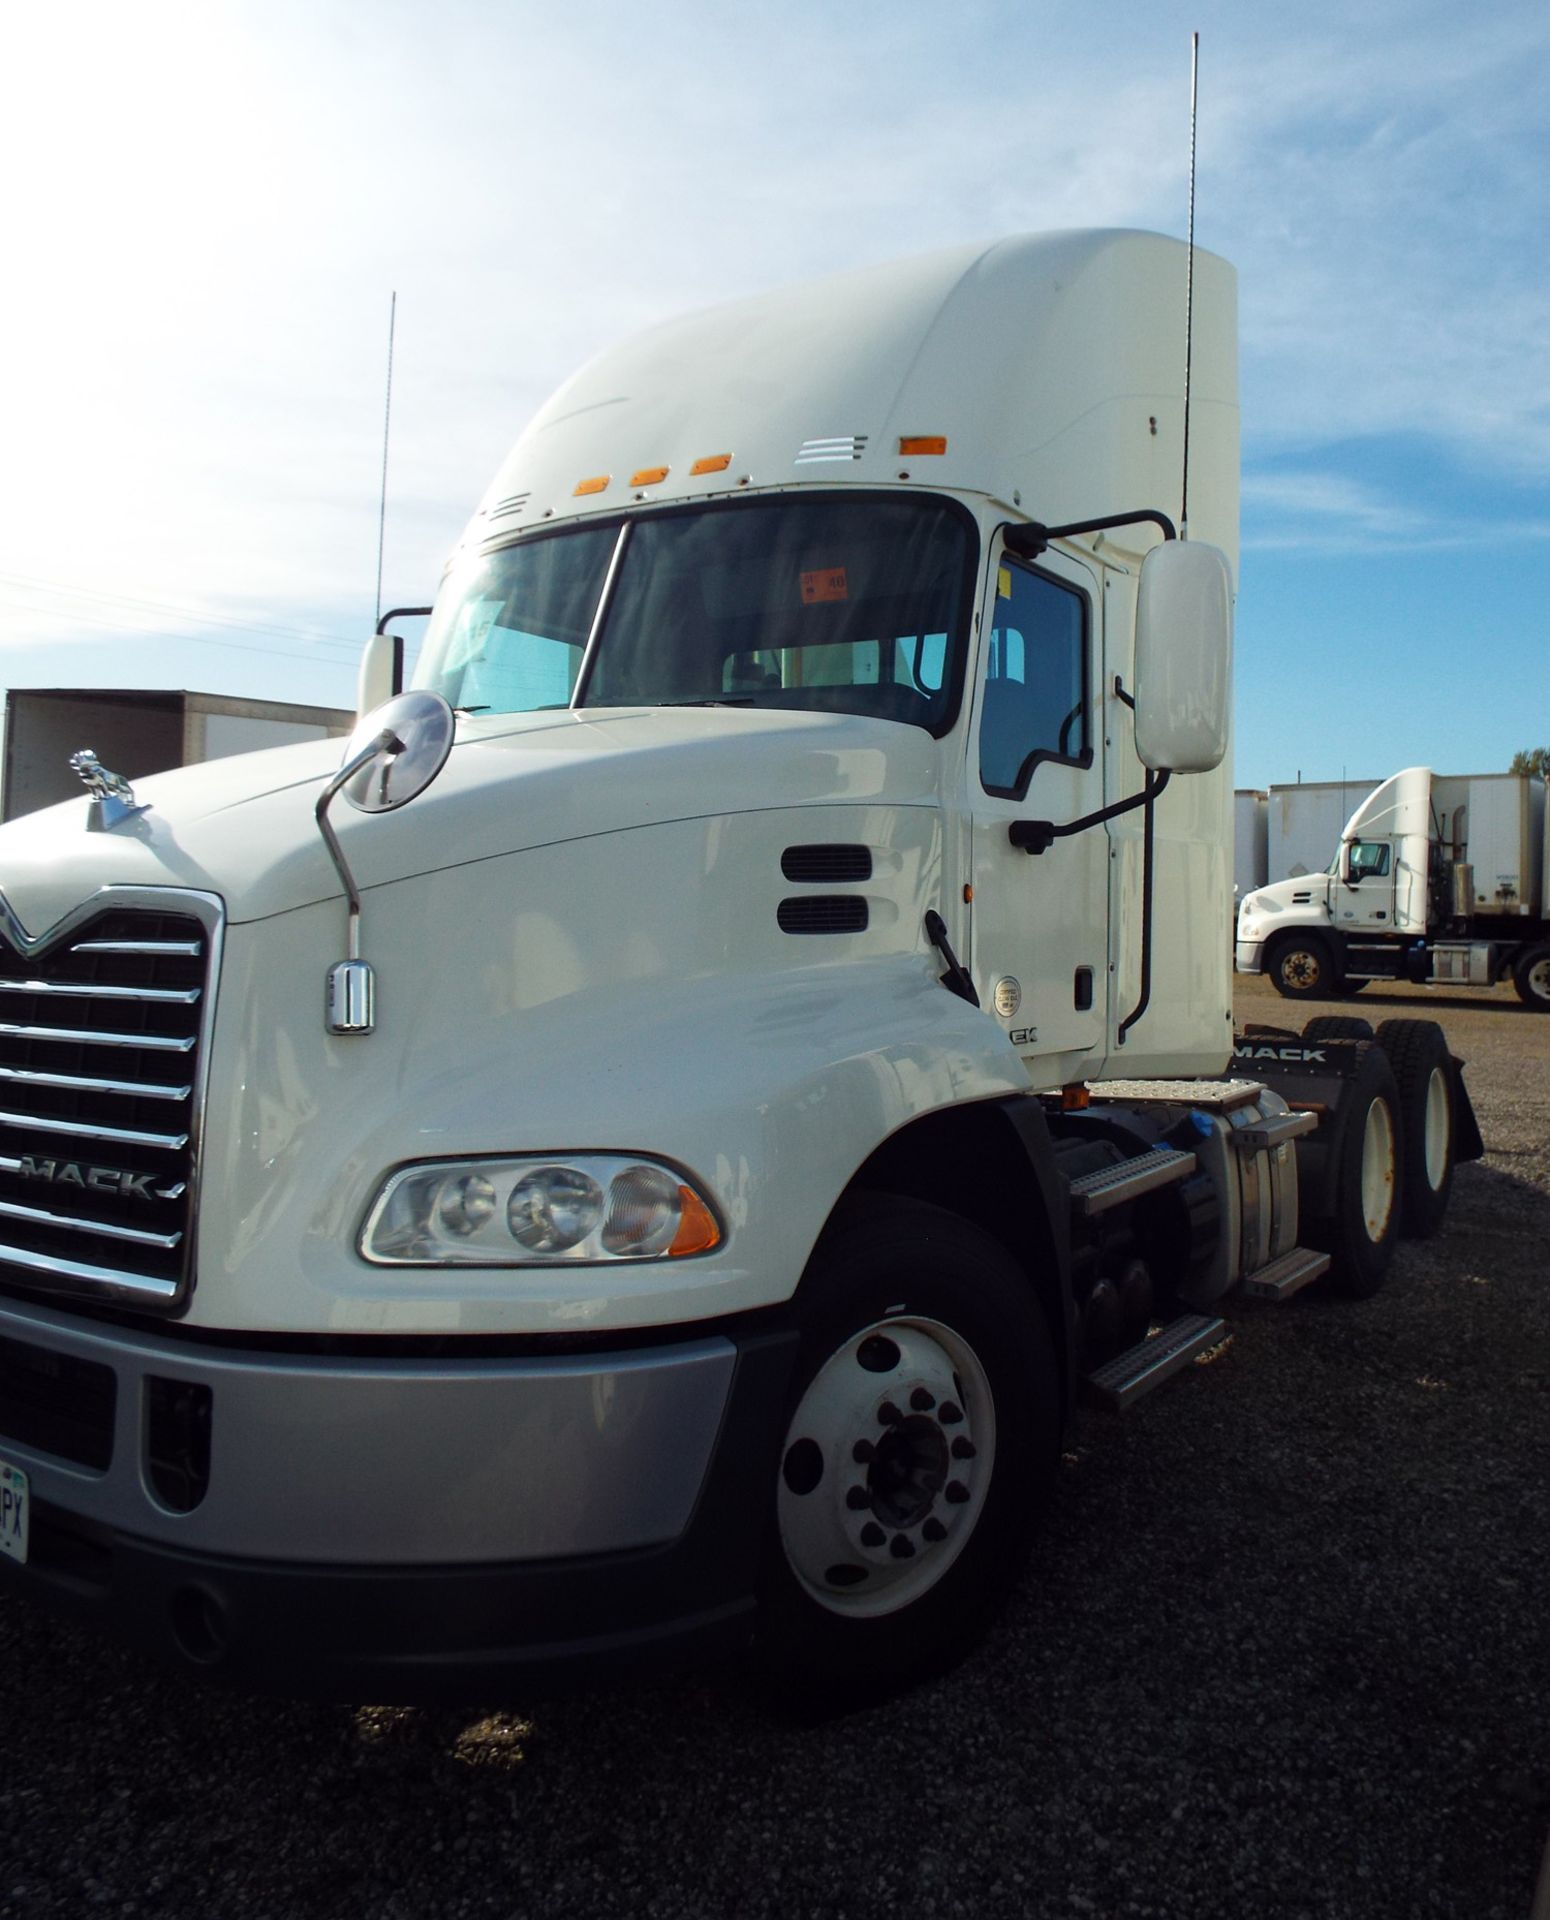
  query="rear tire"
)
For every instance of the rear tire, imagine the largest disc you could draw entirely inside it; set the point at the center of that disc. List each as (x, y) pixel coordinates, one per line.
(1336, 1026)
(1423, 1072)
(1531, 977)
(1302, 967)
(921, 1443)
(1361, 1233)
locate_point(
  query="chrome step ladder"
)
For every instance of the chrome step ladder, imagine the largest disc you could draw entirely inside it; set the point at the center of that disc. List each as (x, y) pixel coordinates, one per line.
(1120, 1382)
(1286, 1276)
(1129, 1179)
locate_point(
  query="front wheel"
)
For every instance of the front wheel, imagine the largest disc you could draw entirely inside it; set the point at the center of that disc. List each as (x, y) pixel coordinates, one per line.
(1302, 967)
(1531, 977)
(922, 1439)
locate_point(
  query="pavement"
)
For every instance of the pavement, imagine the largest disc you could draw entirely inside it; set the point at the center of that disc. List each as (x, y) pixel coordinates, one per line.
(1281, 1651)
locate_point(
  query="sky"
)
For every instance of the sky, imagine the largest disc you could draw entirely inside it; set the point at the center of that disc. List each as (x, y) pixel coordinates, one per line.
(208, 207)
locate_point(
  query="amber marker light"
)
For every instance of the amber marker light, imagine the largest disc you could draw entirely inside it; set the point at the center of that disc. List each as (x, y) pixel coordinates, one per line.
(697, 1229)
(649, 477)
(595, 485)
(712, 463)
(1075, 1098)
(922, 443)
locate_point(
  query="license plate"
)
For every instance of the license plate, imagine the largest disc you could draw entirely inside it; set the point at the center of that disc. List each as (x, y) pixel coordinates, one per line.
(14, 1501)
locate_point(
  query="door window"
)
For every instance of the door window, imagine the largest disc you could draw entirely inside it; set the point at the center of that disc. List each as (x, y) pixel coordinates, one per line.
(1367, 860)
(1036, 681)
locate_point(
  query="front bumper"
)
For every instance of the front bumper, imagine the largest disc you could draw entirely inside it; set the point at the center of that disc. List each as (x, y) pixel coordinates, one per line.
(401, 1529)
(1248, 955)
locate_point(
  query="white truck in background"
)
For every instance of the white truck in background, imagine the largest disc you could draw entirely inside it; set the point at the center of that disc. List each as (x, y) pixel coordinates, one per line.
(1440, 878)
(671, 1182)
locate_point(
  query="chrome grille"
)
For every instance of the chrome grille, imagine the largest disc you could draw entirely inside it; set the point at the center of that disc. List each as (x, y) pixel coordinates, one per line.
(101, 1032)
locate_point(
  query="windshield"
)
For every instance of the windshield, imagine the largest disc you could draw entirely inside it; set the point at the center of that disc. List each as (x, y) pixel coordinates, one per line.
(845, 605)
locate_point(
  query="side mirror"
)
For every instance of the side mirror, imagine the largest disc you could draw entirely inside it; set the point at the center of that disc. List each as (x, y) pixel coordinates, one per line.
(382, 672)
(390, 759)
(1183, 671)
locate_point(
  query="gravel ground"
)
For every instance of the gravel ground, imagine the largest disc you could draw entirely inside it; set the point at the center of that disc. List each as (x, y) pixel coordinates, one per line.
(1283, 1651)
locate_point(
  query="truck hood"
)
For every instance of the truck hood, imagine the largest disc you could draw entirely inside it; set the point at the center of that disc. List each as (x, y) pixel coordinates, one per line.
(244, 828)
(1304, 897)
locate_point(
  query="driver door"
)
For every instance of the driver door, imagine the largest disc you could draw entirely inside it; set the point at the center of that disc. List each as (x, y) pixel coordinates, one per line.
(1364, 887)
(1039, 941)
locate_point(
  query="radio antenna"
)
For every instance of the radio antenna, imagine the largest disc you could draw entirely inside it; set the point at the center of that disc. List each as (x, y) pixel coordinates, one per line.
(1189, 278)
(387, 417)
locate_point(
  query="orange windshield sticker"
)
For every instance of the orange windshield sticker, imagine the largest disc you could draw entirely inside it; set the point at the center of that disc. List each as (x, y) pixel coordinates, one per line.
(824, 583)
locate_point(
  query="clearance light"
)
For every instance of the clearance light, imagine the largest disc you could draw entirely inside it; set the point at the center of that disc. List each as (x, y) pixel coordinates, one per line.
(649, 477)
(712, 463)
(1075, 1098)
(579, 1209)
(922, 443)
(595, 485)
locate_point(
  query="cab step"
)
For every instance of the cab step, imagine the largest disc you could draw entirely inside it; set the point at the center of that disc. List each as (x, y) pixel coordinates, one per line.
(1121, 1381)
(1275, 1131)
(1286, 1276)
(1113, 1186)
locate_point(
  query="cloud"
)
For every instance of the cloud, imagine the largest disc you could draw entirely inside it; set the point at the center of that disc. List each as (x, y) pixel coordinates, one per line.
(220, 197)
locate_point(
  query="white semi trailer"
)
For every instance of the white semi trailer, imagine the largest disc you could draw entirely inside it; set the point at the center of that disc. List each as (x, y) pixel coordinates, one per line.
(1303, 822)
(1437, 877)
(669, 1184)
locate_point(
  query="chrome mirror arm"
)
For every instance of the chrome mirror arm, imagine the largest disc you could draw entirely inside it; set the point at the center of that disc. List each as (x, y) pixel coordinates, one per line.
(351, 1005)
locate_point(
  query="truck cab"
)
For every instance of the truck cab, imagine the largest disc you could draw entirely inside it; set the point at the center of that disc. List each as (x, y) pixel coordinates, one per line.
(643, 1175)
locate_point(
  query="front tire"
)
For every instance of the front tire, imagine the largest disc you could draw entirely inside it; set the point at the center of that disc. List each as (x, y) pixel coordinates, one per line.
(921, 1443)
(1302, 967)
(1531, 977)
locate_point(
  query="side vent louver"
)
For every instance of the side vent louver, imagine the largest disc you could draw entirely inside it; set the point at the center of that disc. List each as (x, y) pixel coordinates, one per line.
(830, 865)
(823, 913)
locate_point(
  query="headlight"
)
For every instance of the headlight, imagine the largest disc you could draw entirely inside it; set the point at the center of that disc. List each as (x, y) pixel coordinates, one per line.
(536, 1213)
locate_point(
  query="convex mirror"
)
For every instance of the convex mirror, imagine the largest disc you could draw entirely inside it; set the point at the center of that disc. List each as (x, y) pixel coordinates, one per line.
(413, 735)
(1183, 671)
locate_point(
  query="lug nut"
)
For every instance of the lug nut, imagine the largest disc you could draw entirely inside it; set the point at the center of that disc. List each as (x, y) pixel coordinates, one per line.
(956, 1492)
(922, 1401)
(951, 1414)
(858, 1500)
(888, 1415)
(964, 1448)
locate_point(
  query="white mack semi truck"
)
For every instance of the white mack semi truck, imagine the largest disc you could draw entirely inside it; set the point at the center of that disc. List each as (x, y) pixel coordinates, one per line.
(1442, 878)
(669, 1185)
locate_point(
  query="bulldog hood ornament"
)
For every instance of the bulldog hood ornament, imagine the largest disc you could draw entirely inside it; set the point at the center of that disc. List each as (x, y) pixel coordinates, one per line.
(112, 797)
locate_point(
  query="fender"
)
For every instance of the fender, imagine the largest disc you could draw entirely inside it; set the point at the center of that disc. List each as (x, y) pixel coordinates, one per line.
(769, 1087)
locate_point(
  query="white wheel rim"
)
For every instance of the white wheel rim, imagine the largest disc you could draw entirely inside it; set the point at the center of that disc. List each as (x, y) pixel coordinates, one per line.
(1302, 968)
(1377, 1170)
(885, 1467)
(1539, 979)
(1438, 1127)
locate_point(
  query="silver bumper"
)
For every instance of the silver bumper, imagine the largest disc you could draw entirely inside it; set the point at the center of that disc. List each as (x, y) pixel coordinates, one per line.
(380, 1461)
